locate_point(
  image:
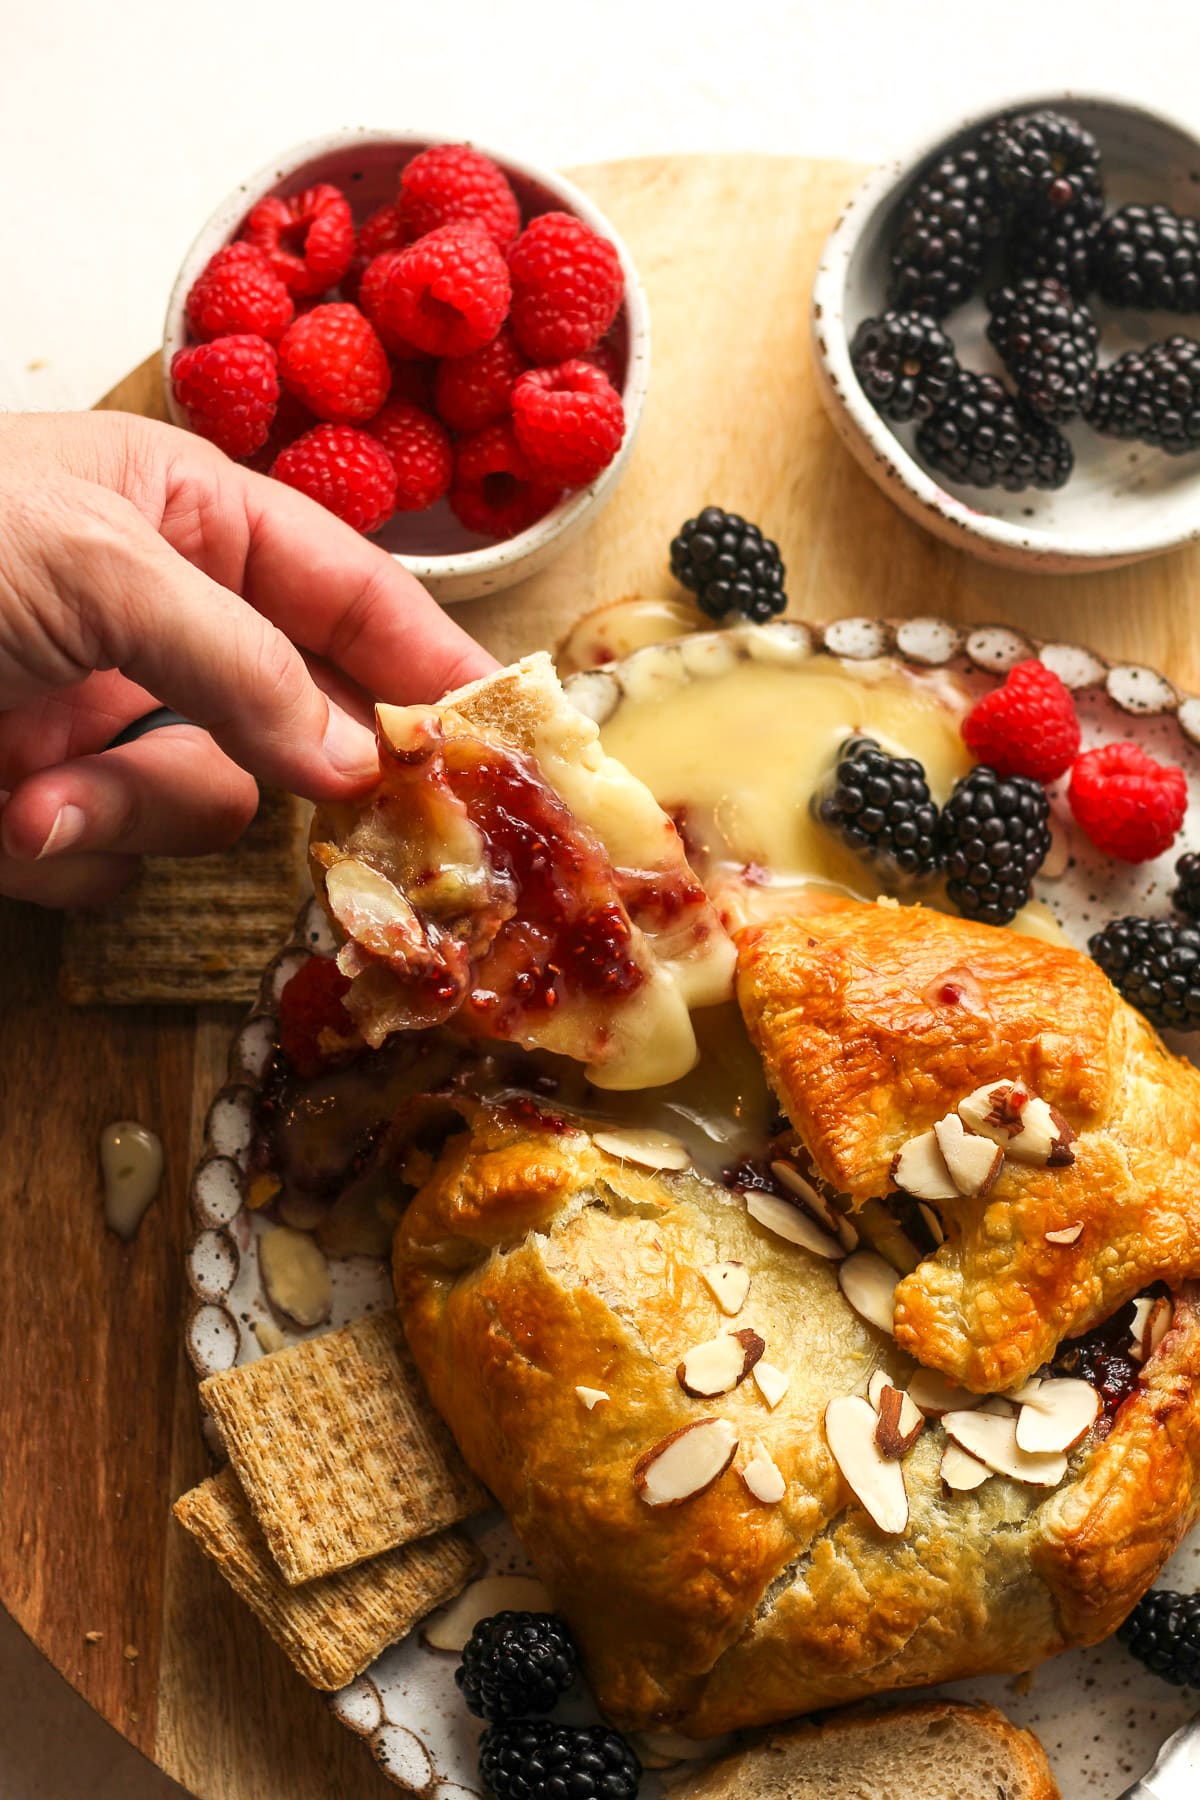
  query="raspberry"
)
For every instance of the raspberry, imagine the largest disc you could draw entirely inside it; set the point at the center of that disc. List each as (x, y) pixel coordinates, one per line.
(473, 391)
(421, 454)
(384, 230)
(229, 390)
(308, 239)
(446, 294)
(567, 287)
(569, 421)
(314, 1026)
(346, 470)
(237, 291)
(450, 184)
(1129, 805)
(372, 290)
(1026, 727)
(494, 490)
(331, 359)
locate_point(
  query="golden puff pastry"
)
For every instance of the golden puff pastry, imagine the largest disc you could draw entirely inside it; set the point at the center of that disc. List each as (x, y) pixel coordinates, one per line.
(874, 1021)
(550, 1292)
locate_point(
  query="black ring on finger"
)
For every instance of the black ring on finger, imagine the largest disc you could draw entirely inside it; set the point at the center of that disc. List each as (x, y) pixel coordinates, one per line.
(151, 721)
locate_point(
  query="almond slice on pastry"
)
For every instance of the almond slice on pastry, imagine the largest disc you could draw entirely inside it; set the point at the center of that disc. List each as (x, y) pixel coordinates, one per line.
(507, 876)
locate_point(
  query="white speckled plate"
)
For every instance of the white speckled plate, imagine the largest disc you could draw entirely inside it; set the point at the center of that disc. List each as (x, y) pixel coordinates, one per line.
(1099, 1714)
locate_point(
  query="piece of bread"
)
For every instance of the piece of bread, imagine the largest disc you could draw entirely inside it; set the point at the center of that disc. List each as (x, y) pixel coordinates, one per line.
(932, 1751)
(873, 1022)
(509, 877)
(533, 1264)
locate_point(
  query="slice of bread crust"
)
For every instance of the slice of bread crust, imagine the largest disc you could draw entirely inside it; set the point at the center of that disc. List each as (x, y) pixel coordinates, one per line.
(935, 1750)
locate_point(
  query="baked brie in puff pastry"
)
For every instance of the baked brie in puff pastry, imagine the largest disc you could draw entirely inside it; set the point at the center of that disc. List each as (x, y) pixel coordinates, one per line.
(508, 877)
(882, 1028)
(740, 1491)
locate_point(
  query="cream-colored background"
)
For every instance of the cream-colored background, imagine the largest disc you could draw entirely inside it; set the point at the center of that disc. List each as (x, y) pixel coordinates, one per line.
(122, 125)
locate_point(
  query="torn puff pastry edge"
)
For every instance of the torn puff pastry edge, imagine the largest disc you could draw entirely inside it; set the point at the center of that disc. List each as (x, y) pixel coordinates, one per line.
(874, 1021)
(532, 1262)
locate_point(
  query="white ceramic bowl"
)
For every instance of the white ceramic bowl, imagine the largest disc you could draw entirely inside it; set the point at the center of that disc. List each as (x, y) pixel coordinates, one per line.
(367, 163)
(1124, 500)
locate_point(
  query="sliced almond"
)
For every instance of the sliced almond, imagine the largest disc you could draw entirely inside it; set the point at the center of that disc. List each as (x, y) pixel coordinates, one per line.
(879, 1380)
(590, 1396)
(936, 1394)
(1025, 1126)
(869, 1284)
(973, 1162)
(372, 910)
(685, 1462)
(815, 1203)
(992, 1438)
(451, 1626)
(998, 1404)
(650, 1149)
(772, 1383)
(729, 1283)
(794, 1224)
(874, 1479)
(920, 1169)
(1151, 1322)
(961, 1471)
(1055, 1414)
(1069, 1234)
(900, 1423)
(763, 1479)
(1143, 1306)
(295, 1275)
(995, 1111)
(934, 1226)
(719, 1364)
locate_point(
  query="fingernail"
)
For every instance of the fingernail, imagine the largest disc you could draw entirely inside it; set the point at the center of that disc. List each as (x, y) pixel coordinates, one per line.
(349, 746)
(66, 830)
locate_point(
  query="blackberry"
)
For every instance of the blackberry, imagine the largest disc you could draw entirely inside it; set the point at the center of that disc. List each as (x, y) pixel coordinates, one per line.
(1152, 395)
(880, 805)
(1045, 166)
(516, 1663)
(905, 363)
(729, 565)
(538, 1760)
(946, 223)
(1155, 964)
(983, 438)
(1149, 256)
(1061, 249)
(1163, 1631)
(1048, 346)
(1186, 897)
(994, 837)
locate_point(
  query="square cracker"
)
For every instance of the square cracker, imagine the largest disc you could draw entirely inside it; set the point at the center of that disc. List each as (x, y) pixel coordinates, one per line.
(333, 1628)
(338, 1449)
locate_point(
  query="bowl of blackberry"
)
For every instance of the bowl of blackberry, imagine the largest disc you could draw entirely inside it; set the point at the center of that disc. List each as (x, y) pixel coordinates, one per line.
(1006, 327)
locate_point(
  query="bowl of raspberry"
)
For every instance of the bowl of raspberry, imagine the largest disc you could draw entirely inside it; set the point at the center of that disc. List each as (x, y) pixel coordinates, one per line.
(1006, 325)
(446, 347)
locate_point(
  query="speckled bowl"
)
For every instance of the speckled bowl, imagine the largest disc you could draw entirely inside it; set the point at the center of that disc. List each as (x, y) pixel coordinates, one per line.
(367, 164)
(1124, 501)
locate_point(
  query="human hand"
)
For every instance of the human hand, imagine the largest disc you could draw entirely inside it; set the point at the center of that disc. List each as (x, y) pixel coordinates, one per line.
(139, 566)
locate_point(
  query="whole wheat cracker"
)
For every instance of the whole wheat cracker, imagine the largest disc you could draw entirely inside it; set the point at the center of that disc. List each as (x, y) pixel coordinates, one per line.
(333, 1628)
(338, 1449)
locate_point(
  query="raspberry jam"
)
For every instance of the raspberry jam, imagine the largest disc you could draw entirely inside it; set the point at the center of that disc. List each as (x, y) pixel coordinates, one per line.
(1102, 1356)
(570, 930)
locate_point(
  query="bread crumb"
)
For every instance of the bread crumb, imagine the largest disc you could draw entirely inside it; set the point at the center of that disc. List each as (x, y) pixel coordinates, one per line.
(93, 1637)
(131, 1653)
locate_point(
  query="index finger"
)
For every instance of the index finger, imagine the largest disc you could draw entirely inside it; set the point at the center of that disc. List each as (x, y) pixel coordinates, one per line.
(347, 600)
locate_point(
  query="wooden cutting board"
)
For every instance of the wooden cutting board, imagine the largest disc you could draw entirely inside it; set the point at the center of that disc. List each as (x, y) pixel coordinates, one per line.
(98, 1417)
